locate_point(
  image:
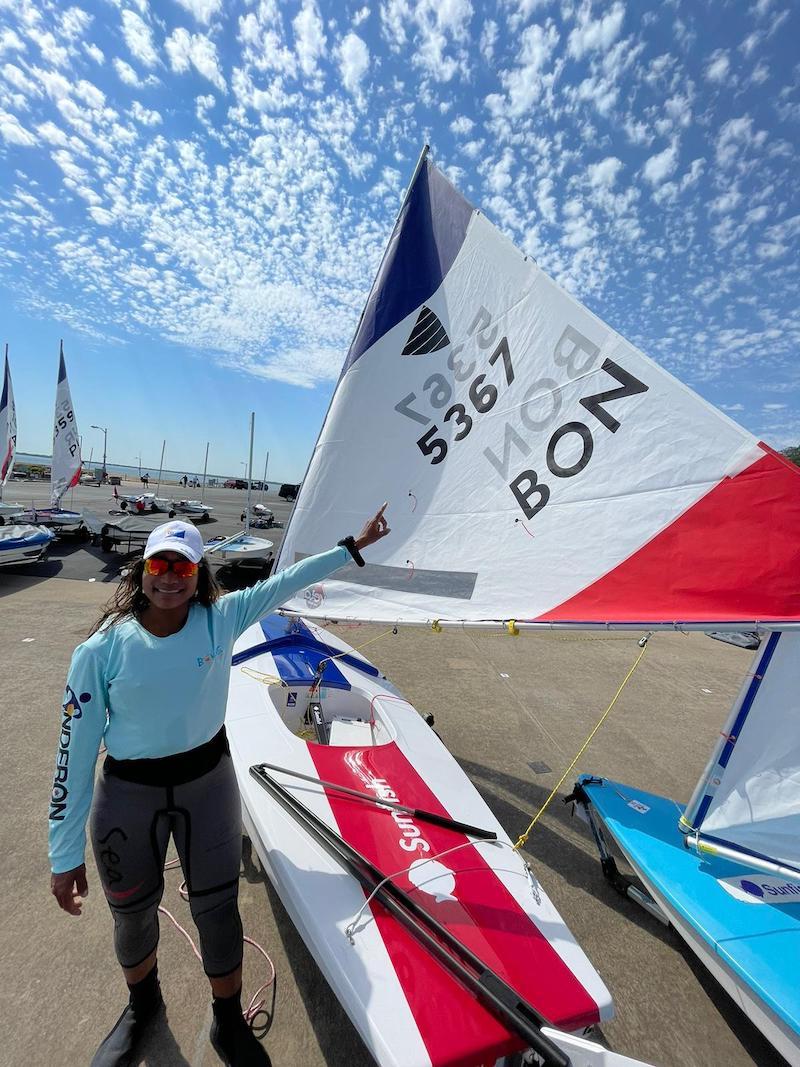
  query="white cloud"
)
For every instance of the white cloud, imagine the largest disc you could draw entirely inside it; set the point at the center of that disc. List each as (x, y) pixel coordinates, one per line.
(662, 165)
(12, 131)
(353, 62)
(524, 84)
(94, 52)
(590, 34)
(187, 50)
(144, 115)
(126, 73)
(604, 174)
(718, 66)
(139, 38)
(462, 125)
(309, 37)
(203, 10)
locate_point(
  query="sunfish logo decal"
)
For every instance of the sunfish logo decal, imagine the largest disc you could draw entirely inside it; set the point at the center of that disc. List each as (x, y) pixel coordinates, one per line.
(751, 887)
(428, 335)
(434, 878)
(762, 889)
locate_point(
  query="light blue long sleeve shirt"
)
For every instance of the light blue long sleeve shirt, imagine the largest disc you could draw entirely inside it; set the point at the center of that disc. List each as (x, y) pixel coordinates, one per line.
(147, 696)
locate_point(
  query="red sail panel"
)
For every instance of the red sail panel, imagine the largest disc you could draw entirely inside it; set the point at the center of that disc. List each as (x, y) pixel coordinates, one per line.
(457, 1031)
(734, 556)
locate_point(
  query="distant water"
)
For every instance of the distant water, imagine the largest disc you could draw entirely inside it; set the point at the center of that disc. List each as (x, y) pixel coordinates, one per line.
(132, 473)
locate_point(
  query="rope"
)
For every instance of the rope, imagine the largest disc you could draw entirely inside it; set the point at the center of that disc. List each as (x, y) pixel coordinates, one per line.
(521, 841)
(257, 1003)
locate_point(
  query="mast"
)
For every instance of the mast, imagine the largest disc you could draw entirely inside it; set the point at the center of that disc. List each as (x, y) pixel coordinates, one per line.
(205, 468)
(250, 473)
(161, 467)
(264, 482)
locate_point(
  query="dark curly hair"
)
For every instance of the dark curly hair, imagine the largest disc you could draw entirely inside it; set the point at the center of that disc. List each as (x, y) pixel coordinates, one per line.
(129, 601)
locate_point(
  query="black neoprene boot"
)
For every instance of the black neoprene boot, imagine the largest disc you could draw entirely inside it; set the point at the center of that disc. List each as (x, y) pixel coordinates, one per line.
(234, 1041)
(144, 1002)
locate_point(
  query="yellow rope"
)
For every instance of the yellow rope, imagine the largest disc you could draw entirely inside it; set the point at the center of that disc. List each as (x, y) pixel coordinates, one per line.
(524, 837)
(260, 676)
(357, 648)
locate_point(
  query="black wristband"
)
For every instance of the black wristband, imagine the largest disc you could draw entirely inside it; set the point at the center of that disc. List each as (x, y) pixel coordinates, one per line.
(350, 544)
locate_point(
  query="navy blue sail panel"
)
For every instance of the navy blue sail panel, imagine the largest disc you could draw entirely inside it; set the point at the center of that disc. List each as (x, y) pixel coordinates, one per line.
(4, 397)
(62, 368)
(427, 238)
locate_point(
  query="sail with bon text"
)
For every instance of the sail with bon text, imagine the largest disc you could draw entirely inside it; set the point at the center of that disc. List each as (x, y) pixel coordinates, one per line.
(538, 466)
(66, 469)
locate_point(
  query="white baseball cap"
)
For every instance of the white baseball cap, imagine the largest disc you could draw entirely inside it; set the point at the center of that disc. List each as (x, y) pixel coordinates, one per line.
(175, 536)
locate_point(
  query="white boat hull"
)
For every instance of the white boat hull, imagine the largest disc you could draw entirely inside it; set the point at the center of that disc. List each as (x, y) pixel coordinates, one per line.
(23, 544)
(408, 1010)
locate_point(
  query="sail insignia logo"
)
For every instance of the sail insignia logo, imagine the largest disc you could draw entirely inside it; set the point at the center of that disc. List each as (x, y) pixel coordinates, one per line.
(759, 889)
(428, 335)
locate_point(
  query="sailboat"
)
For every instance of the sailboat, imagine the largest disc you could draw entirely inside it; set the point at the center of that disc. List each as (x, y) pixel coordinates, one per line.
(8, 443)
(20, 542)
(528, 453)
(243, 546)
(65, 471)
(724, 870)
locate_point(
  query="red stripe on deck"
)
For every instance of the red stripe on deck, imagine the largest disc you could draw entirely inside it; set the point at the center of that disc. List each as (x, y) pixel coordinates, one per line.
(457, 1031)
(734, 555)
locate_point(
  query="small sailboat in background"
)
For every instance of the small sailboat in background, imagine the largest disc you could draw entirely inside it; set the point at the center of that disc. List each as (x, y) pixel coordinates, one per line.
(196, 507)
(244, 546)
(8, 443)
(65, 470)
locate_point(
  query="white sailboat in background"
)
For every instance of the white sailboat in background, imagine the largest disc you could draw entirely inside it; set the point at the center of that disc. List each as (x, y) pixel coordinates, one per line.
(65, 471)
(484, 403)
(244, 545)
(8, 443)
(20, 542)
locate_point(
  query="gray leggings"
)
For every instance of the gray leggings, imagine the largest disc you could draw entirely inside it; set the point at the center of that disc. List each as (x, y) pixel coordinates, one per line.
(130, 829)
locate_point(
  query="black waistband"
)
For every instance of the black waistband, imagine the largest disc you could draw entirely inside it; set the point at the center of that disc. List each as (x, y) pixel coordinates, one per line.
(178, 769)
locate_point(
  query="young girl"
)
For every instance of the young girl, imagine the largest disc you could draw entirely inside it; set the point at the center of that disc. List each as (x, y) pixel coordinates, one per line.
(151, 683)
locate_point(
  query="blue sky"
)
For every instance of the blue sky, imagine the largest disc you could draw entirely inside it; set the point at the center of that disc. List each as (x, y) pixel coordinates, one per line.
(195, 195)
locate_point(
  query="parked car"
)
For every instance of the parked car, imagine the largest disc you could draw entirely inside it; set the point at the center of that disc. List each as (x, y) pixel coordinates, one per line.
(288, 491)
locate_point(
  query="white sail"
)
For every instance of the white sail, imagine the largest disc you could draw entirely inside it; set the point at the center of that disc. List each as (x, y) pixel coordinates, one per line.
(8, 426)
(749, 798)
(537, 466)
(66, 469)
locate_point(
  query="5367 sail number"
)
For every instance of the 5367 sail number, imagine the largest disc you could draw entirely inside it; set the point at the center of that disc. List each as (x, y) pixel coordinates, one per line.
(482, 395)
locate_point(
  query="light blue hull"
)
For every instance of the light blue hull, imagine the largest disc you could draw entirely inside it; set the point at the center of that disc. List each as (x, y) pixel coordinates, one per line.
(744, 925)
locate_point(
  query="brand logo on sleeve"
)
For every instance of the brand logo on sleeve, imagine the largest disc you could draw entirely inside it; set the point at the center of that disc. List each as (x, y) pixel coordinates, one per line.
(73, 709)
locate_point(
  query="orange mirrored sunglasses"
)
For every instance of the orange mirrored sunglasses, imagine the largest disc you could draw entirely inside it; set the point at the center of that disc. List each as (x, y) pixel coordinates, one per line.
(184, 568)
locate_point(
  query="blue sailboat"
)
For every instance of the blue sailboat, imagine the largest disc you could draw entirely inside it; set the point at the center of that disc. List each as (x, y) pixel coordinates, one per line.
(725, 870)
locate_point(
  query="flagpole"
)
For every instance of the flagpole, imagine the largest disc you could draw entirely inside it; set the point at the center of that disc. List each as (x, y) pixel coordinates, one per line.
(250, 472)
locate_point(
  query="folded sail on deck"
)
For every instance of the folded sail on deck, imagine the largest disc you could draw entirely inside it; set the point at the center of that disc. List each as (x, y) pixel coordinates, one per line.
(537, 466)
(66, 469)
